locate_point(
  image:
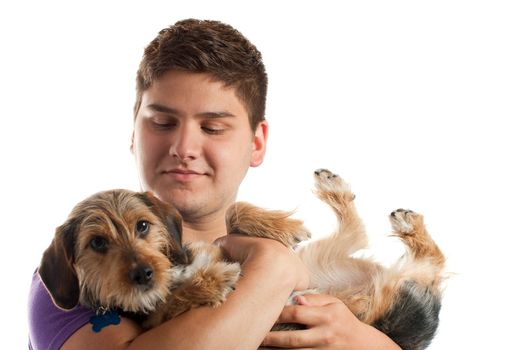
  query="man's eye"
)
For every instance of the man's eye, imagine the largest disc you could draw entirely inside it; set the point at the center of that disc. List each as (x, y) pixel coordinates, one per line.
(212, 130)
(163, 123)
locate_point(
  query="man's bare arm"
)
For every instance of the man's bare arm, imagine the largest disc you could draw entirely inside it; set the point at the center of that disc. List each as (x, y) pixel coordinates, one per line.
(241, 322)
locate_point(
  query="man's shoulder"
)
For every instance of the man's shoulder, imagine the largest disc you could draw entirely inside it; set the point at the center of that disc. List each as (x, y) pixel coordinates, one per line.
(50, 326)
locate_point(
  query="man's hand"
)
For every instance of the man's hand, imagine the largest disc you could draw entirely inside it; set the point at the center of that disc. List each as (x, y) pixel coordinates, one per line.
(330, 325)
(267, 256)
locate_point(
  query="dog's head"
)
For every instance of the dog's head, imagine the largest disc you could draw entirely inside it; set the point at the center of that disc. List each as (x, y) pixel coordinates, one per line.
(115, 250)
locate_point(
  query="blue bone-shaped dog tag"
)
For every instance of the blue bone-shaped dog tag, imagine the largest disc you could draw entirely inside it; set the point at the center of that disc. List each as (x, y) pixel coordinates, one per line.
(105, 319)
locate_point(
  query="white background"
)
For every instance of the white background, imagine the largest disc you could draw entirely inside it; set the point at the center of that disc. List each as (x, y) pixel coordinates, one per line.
(416, 103)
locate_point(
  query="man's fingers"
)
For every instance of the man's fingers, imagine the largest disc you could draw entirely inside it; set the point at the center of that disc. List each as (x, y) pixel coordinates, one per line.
(308, 316)
(328, 321)
(310, 310)
(303, 339)
(316, 299)
(296, 314)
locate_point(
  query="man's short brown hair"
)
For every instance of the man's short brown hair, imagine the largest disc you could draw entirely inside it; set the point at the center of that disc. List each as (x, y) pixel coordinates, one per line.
(212, 47)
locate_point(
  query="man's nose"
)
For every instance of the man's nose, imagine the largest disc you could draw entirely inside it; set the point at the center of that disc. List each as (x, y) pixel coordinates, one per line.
(186, 143)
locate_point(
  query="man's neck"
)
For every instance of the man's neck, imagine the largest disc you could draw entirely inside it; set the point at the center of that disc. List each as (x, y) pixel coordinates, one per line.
(203, 231)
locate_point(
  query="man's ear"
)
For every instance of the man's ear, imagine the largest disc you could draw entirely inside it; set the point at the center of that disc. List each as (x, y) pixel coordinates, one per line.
(259, 144)
(132, 145)
(56, 268)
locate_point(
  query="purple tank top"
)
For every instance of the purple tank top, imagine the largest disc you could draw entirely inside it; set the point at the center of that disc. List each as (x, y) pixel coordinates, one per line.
(49, 326)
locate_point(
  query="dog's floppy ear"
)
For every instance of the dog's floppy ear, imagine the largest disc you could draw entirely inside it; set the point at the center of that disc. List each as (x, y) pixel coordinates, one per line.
(56, 268)
(173, 221)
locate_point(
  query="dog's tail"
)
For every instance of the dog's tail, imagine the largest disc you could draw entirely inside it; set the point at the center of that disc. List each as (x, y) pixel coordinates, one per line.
(413, 318)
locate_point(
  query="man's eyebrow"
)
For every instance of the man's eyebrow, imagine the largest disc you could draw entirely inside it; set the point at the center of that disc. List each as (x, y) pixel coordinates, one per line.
(216, 115)
(163, 109)
(168, 110)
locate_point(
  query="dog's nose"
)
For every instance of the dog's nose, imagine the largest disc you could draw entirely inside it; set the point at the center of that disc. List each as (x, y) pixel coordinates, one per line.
(142, 274)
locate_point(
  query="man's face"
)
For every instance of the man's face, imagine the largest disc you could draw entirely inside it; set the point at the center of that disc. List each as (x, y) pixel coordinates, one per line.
(193, 143)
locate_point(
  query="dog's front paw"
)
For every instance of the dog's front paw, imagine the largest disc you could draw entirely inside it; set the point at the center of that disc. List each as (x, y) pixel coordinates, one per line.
(209, 286)
(228, 275)
(404, 221)
(245, 218)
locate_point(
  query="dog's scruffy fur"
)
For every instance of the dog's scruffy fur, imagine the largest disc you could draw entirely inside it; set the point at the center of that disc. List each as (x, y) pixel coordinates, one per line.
(123, 250)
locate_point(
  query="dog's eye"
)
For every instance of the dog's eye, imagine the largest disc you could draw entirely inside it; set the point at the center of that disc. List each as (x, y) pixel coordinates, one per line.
(99, 244)
(142, 227)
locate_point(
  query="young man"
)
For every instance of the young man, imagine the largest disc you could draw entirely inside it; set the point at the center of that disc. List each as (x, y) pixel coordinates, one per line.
(199, 126)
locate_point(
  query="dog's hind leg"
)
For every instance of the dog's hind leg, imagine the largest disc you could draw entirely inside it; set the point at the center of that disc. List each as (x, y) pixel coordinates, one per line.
(350, 235)
(410, 228)
(408, 297)
(328, 259)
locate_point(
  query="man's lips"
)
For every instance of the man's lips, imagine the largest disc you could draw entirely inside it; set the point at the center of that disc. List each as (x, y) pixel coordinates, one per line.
(183, 174)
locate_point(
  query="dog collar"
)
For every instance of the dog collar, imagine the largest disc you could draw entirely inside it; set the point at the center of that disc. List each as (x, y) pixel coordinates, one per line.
(104, 318)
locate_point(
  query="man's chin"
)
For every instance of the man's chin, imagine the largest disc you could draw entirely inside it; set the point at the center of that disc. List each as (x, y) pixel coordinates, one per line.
(188, 206)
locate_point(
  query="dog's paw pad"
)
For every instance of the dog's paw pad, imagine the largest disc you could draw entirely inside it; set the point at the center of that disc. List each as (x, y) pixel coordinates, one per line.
(325, 173)
(326, 181)
(403, 220)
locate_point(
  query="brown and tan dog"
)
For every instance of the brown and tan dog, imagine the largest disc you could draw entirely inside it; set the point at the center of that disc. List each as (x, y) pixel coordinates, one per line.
(123, 250)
